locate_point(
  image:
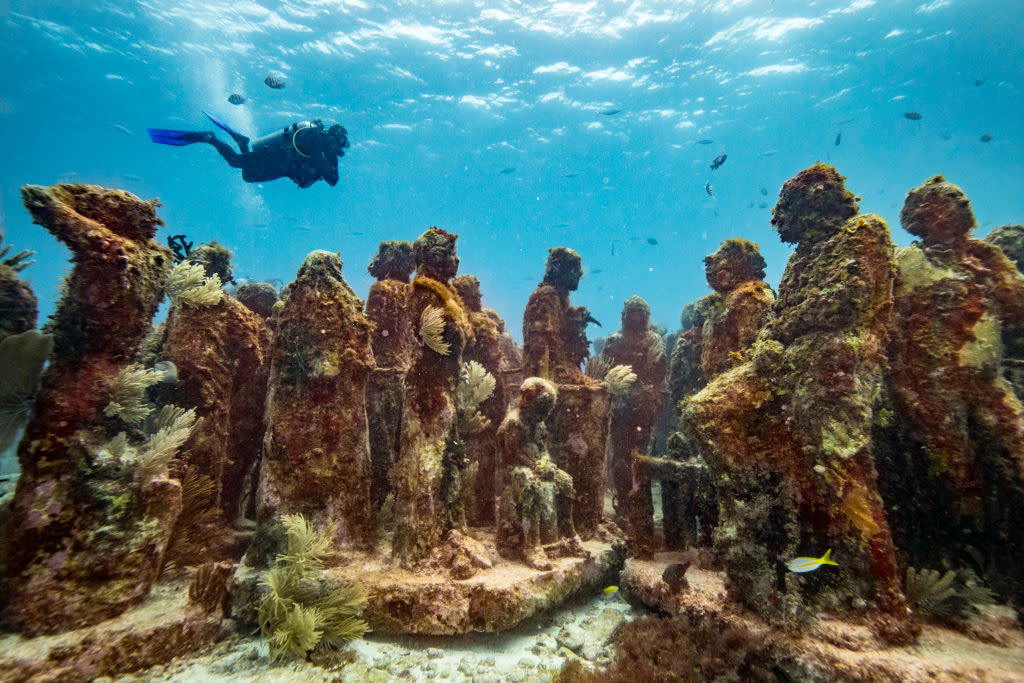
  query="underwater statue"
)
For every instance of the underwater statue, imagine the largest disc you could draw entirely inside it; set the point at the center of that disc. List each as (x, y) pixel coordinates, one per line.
(739, 307)
(633, 416)
(86, 530)
(485, 349)
(959, 427)
(535, 505)
(554, 345)
(393, 348)
(316, 456)
(427, 476)
(787, 434)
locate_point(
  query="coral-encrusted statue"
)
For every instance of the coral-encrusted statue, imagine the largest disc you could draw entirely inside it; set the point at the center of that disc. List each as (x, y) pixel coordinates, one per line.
(85, 533)
(485, 348)
(554, 346)
(427, 477)
(316, 458)
(393, 348)
(535, 505)
(554, 333)
(961, 429)
(787, 434)
(510, 370)
(222, 357)
(633, 416)
(738, 309)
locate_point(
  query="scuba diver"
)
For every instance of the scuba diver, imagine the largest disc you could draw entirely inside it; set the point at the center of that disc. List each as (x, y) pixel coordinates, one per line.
(305, 152)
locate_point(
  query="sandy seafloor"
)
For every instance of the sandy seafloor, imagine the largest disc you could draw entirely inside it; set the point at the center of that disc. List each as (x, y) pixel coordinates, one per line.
(532, 652)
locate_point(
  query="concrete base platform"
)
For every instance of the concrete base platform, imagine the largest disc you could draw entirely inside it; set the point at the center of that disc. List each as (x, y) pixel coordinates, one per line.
(164, 626)
(990, 647)
(429, 601)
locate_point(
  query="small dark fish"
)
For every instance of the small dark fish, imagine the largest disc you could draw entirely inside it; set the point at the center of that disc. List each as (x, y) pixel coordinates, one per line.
(705, 142)
(764, 191)
(560, 225)
(236, 99)
(719, 160)
(842, 122)
(595, 271)
(839, 138)
(570, 175)
(652, 241)
(122, 129)
(913, 115)
(610, 112)
(274, 82)
(946, 135)
(979, 81)
(506, 171)
(770, 153)
(762, 205)
(707, 188)
(986, 138)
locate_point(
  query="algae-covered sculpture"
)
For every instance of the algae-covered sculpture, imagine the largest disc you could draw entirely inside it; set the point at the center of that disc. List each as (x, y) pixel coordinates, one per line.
(221, 351)
(535, 504)
(633, 416)
(316, 458)
(554, 346)
(393, 344)
(294, 615)
(787, 435)
(427, 476)
(739, 307)
(957, 434)
(85, 535)
(483, 350)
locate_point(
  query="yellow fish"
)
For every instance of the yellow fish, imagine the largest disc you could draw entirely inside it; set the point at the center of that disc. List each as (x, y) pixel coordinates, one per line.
(611, 589)
(809, 564)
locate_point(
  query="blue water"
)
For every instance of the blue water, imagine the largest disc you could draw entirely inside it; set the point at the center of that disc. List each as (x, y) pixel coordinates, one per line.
(440, 97)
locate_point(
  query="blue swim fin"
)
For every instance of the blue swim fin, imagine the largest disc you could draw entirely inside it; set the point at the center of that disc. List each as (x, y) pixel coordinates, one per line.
(176, 137)
(240, 140)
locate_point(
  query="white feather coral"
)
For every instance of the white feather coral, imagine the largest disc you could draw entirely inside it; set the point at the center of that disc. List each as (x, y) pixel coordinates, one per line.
(431, 329)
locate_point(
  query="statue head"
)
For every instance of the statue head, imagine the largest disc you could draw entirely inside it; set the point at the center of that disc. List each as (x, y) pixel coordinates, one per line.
(563, 269)
(435, 254)
(736, 261)
(636, 315)
(468, 288)
(536, 398)
(393, 261)
(939, 213)
(813, 205)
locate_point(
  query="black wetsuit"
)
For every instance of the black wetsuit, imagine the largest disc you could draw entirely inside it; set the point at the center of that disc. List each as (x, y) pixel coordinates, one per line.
(303, 152)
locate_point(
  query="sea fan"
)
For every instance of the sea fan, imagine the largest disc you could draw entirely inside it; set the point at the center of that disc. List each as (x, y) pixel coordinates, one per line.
(187, 285)
(476, 386)
(128, 394)
(161, 447)
(196, 533)
(22, 357)
(431, 329)
(620, 379)
(299, 633)
(597, 367)
(292, 618)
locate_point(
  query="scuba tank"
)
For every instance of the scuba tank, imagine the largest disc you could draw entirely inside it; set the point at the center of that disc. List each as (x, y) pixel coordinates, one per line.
(292, 138)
